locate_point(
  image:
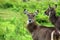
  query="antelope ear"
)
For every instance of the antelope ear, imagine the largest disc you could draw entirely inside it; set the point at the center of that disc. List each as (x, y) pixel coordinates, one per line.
(55, 6)
(36, 12)
(25, 11)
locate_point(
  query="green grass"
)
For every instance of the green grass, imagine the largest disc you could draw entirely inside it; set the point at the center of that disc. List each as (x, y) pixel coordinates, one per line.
(13, 21)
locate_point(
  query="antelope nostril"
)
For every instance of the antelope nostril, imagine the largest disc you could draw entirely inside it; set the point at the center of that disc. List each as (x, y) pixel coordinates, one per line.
(29, 20)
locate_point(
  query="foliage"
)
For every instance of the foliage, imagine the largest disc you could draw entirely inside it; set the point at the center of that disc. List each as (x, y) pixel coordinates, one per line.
(13, 21)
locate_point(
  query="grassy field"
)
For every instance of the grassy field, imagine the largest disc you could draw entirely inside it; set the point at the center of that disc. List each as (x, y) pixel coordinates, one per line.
(13, 21)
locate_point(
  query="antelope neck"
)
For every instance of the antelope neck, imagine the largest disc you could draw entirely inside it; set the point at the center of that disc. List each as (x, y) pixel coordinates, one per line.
(53, 18)
(32, 26)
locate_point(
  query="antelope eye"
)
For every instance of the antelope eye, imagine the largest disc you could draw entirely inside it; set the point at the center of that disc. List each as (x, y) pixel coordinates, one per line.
(33, 15)
(28, 15)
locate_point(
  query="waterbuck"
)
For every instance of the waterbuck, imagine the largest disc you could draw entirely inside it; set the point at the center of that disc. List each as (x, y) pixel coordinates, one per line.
(55, 20)
(38, 32)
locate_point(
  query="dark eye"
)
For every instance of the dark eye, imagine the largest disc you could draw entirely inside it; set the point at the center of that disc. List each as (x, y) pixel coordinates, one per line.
(28, 15)
(33, 15)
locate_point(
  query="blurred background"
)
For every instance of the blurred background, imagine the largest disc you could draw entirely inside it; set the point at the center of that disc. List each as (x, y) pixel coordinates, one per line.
(13, 21)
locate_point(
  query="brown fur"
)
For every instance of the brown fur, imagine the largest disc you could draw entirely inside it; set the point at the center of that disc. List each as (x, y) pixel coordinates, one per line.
(55, 20)
(40, 32)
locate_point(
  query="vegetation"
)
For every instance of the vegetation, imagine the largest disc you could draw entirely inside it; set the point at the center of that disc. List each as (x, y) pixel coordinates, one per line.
(13, 21)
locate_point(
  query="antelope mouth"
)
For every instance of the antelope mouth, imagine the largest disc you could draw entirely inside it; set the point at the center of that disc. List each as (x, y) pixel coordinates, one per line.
(29, 21)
